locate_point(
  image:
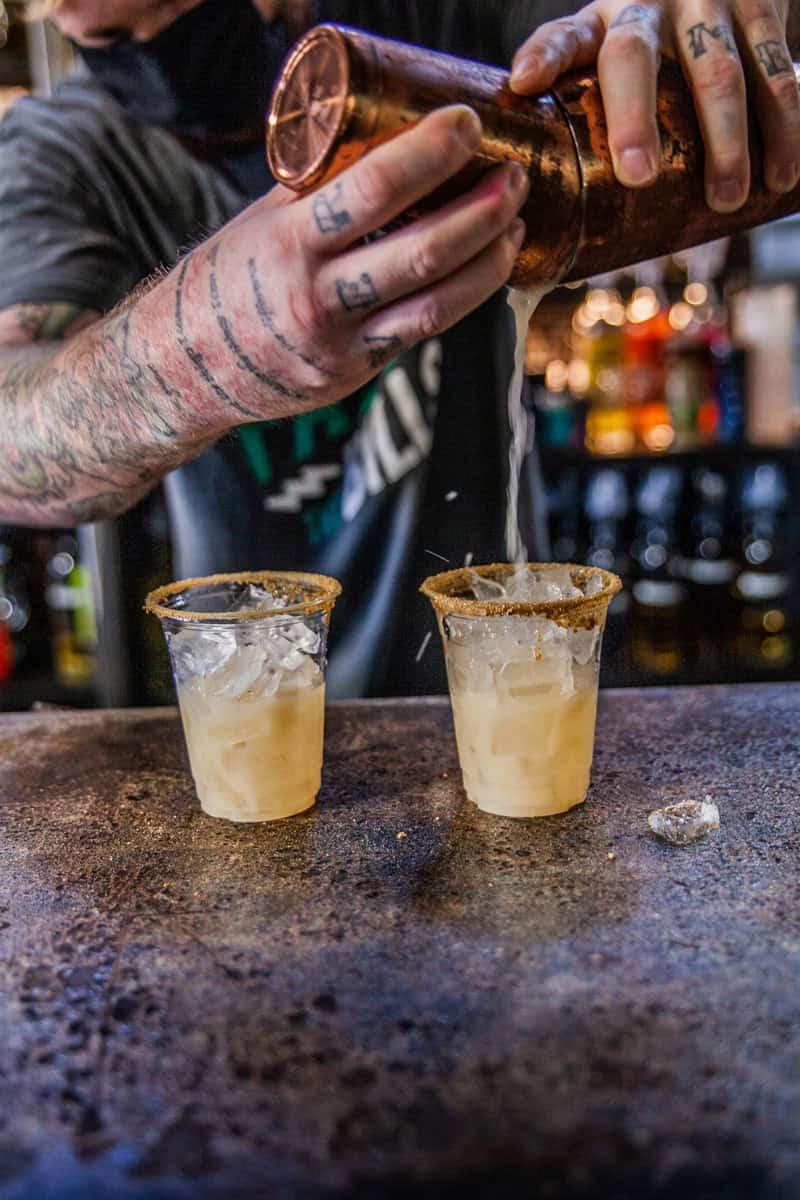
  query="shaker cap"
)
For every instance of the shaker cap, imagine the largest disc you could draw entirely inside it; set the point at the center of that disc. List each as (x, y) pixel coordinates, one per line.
(309, 108)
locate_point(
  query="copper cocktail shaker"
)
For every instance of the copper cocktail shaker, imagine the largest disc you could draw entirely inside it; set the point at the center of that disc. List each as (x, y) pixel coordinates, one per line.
(343, 92)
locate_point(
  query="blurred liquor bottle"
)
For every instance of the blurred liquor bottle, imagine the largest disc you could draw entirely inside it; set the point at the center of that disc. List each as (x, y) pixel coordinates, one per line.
(766, 635)
(607, 517)
(764, 323)
(645, 338)
(728, 384)
(708, 567)
(15, 606)
(564, 506)
(609, 429)
(24, 632)
(657, 623)
(70, 600)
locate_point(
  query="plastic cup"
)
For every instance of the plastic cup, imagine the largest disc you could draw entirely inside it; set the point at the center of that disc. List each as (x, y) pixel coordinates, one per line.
(523, 681)
(248, 656)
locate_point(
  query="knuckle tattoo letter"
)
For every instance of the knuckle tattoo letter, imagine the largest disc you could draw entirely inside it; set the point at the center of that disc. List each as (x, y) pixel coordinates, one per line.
(357, 293)
(629, 16)
(773, 58)
(381, 349)
(328, 212)
(697, 35)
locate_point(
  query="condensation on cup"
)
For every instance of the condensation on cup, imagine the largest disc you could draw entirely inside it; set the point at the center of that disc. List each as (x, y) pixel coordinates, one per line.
(248, 656)
(522, 647)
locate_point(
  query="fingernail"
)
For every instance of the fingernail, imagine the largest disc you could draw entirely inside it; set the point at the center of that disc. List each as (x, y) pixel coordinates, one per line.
(635, 166)
(516, 231)
(728, 193)
(469, 128)
(522, 68)
(786, 177)
(519, 181)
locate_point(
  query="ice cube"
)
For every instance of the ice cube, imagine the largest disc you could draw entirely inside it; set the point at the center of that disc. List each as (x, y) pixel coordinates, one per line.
(535, 587)
(254, 598)
(685, 822)
(240, 673)
(306, 674)
(593, 585)
(583, 644)
(282, 653)
(559, 584)
(484, 588)
(302, 636)
(200, 651)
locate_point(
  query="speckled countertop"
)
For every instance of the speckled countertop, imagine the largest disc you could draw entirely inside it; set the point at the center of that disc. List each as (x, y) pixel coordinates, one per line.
(323, 1008)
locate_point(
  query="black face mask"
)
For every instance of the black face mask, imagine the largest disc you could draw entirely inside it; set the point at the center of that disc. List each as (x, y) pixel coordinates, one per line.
(210, 72)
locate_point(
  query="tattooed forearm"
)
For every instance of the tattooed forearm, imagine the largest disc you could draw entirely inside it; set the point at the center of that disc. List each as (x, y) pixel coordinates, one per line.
(194, 355)
(698, 33)
(244, 360)
(773, 58)
(629, 16)
(88, 426)
(42, 322)
(381, 350)
(63, 458)
(328, 213)
(358, 293)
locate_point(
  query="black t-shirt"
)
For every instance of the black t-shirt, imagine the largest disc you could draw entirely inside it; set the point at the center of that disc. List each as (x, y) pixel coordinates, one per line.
(378, 490)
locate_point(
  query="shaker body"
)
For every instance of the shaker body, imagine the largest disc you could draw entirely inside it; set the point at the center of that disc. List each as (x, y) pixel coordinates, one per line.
(343, 92)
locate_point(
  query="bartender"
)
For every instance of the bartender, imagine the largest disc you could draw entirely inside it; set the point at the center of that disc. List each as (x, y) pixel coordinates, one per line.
(164, 309)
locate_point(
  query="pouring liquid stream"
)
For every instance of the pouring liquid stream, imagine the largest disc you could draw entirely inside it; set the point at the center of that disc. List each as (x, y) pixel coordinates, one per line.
(523, 305)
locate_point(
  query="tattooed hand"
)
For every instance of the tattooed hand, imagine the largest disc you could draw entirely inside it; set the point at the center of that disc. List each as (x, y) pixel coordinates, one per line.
(285, 309)
(727, 48)
(288, 307)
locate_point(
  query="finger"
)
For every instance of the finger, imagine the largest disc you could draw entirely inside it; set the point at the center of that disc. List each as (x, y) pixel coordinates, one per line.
(554, 48)
(388, 181)
(429, 250)
(627, 68)
(776, 93)
(711, 62)
(429, 313)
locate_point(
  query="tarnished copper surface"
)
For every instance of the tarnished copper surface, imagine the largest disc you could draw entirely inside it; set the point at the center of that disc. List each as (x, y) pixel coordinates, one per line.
(627, 225)
(310, 111)
(392, 86)
(396, 995)
(580, 220)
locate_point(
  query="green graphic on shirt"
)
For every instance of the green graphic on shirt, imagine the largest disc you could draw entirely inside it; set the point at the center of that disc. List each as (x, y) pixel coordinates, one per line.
(333, 422)
(256, 453)
(323, 520)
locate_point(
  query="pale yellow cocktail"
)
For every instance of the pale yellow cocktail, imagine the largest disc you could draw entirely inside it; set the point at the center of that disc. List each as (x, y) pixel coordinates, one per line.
(248, 654)
(523, 659)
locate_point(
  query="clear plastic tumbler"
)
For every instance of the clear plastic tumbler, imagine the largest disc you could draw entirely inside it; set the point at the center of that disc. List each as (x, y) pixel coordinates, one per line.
(523, 676)
(248, 655)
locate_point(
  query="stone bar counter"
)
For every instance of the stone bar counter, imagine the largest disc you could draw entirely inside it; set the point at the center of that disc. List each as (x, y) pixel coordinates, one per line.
(396, 995)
